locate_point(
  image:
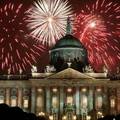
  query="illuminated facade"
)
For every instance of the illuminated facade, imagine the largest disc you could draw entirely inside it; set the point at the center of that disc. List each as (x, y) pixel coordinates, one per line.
(66, 93)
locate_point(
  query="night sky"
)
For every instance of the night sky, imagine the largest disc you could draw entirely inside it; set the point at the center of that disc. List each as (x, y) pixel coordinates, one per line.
(103, 42)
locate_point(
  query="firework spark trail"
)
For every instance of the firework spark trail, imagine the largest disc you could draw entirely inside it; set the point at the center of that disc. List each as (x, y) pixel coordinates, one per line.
(102, 41)
(16, 51)
(47, 20)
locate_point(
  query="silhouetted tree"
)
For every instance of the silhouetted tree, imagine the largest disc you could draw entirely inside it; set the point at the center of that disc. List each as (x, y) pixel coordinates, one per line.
(15, 113)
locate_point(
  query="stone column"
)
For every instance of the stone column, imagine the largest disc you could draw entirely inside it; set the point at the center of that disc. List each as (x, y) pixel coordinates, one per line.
(90, 99)
(48, 105)
(43, 98)
(105, 101)
(33, 99)
(7, 96)
(118, 100)
(80, 94)
(94, 98)
(112, 96)
(77, 100)
(61, 99)
(20, 97)
(93, 113)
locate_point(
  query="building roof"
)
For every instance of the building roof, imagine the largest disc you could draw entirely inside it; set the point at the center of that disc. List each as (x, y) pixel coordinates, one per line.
(68, 41)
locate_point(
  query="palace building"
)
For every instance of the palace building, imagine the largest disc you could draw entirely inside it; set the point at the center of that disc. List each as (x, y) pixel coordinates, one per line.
(69, 89)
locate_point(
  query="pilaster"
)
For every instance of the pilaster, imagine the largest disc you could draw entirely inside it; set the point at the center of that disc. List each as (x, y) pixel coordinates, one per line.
(33, 99)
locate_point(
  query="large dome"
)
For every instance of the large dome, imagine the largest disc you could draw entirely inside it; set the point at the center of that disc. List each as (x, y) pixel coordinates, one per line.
(68, 49)
(68, 41)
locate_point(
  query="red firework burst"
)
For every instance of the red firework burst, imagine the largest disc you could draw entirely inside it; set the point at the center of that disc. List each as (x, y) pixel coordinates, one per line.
(17, 51)
(98, 27)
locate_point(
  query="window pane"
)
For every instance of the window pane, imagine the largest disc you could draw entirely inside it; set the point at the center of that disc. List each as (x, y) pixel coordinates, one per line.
(112, 103)
(25, 103)
(54, 101)
(13, 102)
(69, 100)
(99, 102)
(1, 99)
(40, 102)
(84, 101)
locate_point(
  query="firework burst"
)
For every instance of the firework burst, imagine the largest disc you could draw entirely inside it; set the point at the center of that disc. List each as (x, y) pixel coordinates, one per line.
(47, 20)
(16, 52)
(98, 26)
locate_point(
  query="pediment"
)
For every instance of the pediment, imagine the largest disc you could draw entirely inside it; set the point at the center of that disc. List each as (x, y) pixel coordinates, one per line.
(70, 73)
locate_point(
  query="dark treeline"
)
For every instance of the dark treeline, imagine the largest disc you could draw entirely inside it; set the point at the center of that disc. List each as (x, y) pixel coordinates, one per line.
(16, 113)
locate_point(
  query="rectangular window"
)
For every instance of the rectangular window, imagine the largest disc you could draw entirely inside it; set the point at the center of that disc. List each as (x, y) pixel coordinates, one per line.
(70, 100)
(40, 102)
(25, 103)
(99, 102)
(13, 102)
(1, 99)
(54, 102)
(112, 103)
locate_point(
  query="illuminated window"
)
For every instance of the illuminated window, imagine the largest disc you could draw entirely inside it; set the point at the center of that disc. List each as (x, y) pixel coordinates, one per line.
(25, 103)
(1, 99)
(13, 97)
(40, 90)
(54, 90)
(54, 101)
(13, 101)
(26, 98)
(84, 89)
(99, 102)
(84, 102)
(2, 94)
(69, 100)
(40, 102)
(112, 103)
(69, 90)
(99, 114)
(98, 90)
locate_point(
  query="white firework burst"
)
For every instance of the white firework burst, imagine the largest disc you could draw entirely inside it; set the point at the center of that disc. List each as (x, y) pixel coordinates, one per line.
(47, 19)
